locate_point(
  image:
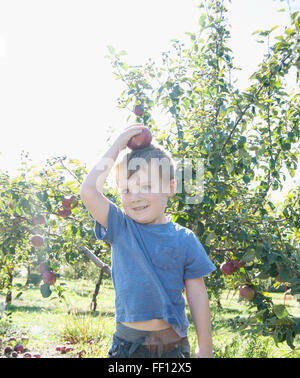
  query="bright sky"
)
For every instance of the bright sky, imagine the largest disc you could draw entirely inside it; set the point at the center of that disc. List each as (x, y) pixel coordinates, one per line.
(57, 91)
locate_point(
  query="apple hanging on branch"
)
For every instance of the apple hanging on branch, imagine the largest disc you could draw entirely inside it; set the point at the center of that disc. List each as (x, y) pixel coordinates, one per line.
(69, 203)
(37, 241)
(247, 292)
(38, 219)
(141, 140)
(49, 277)
(227, 268)
(64, 212)
(138, 110)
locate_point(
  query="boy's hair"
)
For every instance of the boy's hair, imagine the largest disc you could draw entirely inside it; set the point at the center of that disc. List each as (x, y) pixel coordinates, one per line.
(152, 151)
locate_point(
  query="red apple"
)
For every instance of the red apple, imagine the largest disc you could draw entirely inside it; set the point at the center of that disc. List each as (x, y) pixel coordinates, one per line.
(227, 268)
(247, 292)
(81, 353)
(37, 241)
(38, 219)
(238, 264)
(14, 354)
(49, 277)
(27, 355)
(18, 348)
(8, 349)
(43, 267)
(69, 203)
(141, 140)
(64, 212)
(138, 111)
(37, 355)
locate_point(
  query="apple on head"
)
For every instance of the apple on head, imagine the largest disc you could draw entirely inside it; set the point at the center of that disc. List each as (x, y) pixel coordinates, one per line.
(141, 140)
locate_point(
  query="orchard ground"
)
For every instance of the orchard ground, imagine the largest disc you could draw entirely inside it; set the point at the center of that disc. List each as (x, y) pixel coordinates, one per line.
(51, 322)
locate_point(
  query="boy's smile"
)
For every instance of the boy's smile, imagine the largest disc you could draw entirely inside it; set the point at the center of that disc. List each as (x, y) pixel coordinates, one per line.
(142, 198)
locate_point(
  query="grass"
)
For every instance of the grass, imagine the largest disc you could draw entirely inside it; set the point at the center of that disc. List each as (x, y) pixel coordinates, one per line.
(49, 322)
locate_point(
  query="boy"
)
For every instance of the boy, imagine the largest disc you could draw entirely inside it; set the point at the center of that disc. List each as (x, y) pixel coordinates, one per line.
(153, 258)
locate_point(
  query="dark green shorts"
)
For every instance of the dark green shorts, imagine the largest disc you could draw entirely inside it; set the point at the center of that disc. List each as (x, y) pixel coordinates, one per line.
(130, 343)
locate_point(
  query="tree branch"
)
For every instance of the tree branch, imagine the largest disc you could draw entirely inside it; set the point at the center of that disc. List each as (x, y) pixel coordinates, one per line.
(94, 259)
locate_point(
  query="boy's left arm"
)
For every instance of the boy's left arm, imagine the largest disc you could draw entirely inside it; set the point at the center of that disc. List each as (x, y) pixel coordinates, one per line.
(198, 303)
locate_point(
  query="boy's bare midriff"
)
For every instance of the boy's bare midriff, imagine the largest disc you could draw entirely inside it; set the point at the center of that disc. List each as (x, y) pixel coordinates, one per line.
(149, 325)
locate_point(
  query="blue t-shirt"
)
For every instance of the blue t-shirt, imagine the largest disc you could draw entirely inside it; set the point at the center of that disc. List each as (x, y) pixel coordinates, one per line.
(149, 265)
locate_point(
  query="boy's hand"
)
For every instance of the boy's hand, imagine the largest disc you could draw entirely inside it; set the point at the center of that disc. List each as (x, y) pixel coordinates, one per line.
(129, 132)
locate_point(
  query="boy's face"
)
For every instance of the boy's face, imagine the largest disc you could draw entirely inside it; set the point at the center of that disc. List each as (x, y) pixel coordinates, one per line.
(145, 188)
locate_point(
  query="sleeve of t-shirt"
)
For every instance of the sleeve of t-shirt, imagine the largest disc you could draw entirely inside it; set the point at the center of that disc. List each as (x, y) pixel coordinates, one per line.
(197, 263)
(115, 224)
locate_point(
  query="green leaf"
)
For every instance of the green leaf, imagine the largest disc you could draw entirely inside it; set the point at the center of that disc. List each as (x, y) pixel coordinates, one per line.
(249, 256)
(242, 235)
(200, 228)
(284, 275)
(246, 179)
(290, 339)
(18, 295)
(34, 278)
(111, 49)
(45, 290)
(280, 311)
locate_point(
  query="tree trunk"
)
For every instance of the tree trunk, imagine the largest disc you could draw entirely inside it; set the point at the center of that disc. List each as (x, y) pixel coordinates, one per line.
(97, 288)
(28, 274)
(8, 298)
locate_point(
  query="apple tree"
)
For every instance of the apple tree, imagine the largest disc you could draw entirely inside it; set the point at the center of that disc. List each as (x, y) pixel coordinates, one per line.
(246, 138)
(41, 220)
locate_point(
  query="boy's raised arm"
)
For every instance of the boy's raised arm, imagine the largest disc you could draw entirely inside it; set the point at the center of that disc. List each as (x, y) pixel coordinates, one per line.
(91, 191)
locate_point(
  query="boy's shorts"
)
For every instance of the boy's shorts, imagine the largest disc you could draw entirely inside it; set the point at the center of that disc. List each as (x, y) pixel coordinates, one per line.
(133, 343)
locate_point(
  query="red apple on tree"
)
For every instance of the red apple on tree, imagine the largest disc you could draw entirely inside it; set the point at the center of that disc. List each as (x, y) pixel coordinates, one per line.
(227, 268)
(69, 203)
(49, 277)
(138, 111)
(238, 264)
(247, 292)
(37, 241)
(38, 219)
(43, 267)
(141, 140)
(64, 212)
